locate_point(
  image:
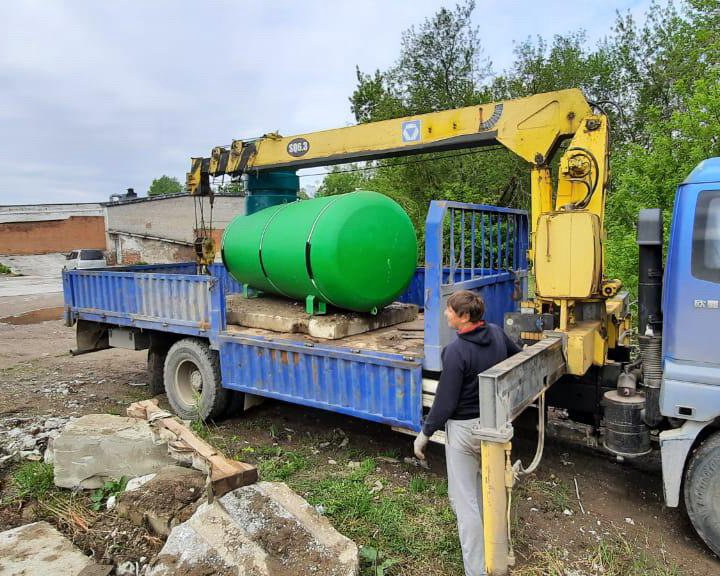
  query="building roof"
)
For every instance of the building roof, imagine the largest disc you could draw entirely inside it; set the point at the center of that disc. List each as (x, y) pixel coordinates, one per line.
(161, 197)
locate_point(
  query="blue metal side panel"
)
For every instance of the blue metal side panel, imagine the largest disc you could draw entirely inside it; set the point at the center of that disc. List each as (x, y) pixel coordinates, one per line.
(384, 388)
(187, 304)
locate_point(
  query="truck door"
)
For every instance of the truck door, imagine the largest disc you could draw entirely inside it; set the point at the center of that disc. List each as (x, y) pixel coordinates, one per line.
(691, 387)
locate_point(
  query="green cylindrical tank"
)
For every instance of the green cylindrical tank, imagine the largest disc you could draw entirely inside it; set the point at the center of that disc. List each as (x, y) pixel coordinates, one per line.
(356, 251)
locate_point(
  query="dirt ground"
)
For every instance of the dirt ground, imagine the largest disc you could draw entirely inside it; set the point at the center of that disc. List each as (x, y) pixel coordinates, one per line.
(578, 498)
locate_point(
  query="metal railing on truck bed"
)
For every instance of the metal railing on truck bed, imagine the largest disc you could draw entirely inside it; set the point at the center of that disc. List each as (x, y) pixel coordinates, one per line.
(472, 247)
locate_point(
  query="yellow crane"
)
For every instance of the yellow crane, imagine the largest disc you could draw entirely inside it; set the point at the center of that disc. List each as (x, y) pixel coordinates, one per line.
(567, 231)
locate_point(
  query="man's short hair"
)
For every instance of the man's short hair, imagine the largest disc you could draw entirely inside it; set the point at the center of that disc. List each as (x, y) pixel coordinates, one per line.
(467, 302)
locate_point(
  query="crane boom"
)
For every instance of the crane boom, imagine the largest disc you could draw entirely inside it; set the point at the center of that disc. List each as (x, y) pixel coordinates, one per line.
(567, 223)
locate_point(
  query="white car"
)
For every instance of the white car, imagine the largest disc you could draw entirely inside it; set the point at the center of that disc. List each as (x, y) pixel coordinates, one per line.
(83, 259)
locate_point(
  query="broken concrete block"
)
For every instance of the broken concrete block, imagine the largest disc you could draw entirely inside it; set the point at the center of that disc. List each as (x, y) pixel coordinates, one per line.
(39, 550)
(165, 501)
(261, 529)
(98, 447)
(282, 315)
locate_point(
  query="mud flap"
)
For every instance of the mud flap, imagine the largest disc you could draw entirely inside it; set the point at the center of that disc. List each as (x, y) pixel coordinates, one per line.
(91, 337)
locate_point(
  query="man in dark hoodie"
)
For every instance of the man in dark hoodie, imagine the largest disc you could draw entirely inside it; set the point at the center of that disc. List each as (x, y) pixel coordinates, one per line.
(478, 346)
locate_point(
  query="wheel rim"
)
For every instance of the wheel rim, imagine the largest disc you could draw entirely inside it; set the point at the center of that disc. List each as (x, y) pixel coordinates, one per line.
(189, 382)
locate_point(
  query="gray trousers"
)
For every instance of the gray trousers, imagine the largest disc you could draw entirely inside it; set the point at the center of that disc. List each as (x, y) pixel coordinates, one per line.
(462, 454)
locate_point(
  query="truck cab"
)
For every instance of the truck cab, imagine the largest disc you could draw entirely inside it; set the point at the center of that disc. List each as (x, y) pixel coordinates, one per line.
(690, 391)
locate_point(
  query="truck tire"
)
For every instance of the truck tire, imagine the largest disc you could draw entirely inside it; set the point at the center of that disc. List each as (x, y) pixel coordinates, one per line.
(156, 369)
(192, 380)
(702, 491)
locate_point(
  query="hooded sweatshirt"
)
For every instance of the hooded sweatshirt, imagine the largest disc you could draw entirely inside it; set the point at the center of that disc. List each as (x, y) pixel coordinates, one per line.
(472, 352)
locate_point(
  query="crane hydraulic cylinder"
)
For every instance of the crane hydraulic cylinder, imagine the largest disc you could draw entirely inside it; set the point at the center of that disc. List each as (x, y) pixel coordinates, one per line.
(355, 251)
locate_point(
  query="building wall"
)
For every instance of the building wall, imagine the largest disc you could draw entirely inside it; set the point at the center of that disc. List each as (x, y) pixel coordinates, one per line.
(169, 217)
(48, 236)
(125, 249)
(162, 229)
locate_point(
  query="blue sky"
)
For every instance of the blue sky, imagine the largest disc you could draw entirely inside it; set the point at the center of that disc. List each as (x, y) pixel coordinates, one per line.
(96, 97)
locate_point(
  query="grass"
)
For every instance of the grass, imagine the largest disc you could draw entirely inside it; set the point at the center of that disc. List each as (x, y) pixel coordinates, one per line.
(553, 495)
(278, 465)
(616, 557)
(200, 429)
(410, 527)
(5, 270)
(612, 556)
(33, 480)
(419, 484)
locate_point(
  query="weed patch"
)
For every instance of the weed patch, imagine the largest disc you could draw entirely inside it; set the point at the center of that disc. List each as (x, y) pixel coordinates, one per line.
(109, 488)
(277, 464)
(34, 480)
(419, 484)
(553, 495)
(200, 429)
(612, 556)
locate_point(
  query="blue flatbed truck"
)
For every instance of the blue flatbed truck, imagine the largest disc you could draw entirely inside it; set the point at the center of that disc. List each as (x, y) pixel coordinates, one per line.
(198, 358)
(180, 317)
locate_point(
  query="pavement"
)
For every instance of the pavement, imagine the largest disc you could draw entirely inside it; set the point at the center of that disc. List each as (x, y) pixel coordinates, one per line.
(41, 274)
(21, 304)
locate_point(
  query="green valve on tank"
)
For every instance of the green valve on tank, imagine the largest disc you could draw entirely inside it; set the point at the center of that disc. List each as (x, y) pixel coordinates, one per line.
(355, 251)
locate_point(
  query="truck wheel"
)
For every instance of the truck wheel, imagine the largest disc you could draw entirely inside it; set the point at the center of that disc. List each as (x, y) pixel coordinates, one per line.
(192, 380)
(156, 369)
(702, 491)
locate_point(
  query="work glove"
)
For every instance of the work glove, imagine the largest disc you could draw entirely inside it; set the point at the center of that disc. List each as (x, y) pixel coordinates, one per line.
(421, 441)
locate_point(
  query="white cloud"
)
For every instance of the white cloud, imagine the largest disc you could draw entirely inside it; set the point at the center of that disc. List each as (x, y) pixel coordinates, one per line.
(96, 97)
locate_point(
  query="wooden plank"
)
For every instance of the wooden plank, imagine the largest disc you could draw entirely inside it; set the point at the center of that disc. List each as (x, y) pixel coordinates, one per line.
(225, 474)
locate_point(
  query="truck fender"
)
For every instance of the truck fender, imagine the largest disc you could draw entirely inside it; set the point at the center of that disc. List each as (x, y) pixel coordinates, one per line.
(675, 446)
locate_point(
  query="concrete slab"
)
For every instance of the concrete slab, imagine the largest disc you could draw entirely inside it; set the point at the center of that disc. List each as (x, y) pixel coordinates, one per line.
(100, 447)
(26, 285)
(258, 530)
(39, 550)
(288, 316)
(45, 265)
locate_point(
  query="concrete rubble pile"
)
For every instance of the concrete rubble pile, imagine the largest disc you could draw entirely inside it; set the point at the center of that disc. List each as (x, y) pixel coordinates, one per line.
(261, 530)
(28, 438)
(215, 515)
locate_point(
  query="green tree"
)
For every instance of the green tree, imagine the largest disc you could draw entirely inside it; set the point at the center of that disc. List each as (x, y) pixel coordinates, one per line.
(341, 180)
(165, 185)
(668, 73)
(441, 66)
(565, 62)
